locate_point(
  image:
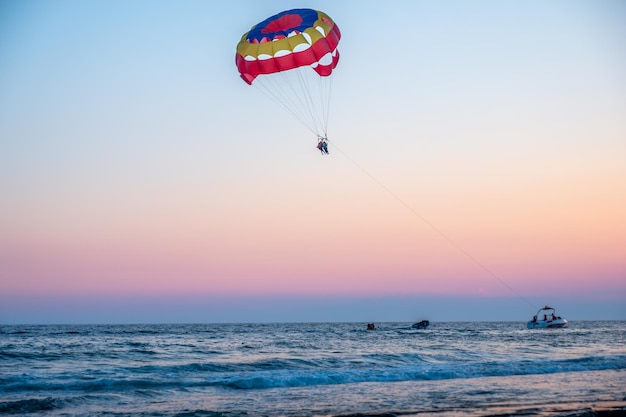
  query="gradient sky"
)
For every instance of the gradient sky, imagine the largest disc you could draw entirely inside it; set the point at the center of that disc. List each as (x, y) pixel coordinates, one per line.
(477, 167)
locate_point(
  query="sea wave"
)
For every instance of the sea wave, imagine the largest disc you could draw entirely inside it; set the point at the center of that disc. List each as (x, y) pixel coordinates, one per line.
(32, 405)
(284, 378)
(276, 375)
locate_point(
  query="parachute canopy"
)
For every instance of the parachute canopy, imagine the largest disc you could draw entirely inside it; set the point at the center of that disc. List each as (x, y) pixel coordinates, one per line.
(290, 39)
(290, 57)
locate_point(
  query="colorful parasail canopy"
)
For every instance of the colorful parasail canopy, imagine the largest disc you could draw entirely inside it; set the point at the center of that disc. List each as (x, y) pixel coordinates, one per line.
(288, 40)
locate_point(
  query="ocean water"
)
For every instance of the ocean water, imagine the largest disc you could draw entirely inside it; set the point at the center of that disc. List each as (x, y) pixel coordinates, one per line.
(313, 369)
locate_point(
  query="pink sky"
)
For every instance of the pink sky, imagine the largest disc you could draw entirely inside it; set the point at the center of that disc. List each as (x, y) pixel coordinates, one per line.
(549, 235)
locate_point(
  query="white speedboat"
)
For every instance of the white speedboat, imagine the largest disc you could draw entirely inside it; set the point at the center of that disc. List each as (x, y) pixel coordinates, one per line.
(546, 318)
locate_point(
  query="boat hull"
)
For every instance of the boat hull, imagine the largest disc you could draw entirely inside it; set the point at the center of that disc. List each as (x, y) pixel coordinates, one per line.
(547, 324)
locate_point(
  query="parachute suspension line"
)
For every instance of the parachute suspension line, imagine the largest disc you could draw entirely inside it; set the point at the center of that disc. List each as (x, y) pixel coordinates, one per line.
(294, 92)
(276, 90)
(326, 90)
(320, 103)
(315, 93)
(433, 227)
(292, 80)
(307, 98)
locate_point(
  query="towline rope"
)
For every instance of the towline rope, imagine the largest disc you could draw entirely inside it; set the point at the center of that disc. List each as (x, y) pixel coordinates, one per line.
(432, 226)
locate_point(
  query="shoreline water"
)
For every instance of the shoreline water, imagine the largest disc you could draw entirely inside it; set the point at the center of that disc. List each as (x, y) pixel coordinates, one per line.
(313, 369)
